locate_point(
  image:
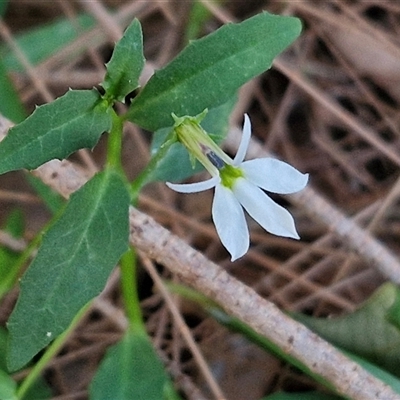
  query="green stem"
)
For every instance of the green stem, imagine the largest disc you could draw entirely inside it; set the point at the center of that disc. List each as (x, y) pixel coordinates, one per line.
(115, 142)
(128, 263)
(27, 254)
(129, 286)
(50, 352)
(11, 278)
(146, 175)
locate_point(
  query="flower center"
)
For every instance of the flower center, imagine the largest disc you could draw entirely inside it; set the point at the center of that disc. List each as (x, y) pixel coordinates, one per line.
(229, 174)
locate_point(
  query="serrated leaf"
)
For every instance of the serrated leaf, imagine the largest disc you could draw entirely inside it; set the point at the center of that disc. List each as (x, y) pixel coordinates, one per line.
(176, 165)
(55, 130)
(210, 70)
(72, 265)
(131, 369)
(369, 331)
(126, 64)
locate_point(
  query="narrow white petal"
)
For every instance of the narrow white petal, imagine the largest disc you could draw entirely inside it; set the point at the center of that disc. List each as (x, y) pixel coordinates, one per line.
(244, 142)
(230, 222)
(274, 175)
(271, 216)
(194, 187)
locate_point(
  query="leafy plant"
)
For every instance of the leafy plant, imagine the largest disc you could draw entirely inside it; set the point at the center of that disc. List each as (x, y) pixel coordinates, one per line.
(89, 234)
(346, 332)
(126, 369)
(371, 332)
(51, 38)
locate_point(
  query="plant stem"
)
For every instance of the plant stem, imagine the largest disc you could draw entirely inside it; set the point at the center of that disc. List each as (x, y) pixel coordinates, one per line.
(115, 142)
(146, 175)
(11, 278)
(129, 286)
(17, 268)
(50, 352)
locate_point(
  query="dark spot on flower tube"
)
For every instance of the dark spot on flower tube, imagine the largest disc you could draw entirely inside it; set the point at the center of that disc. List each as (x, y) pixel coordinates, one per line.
(215, 160)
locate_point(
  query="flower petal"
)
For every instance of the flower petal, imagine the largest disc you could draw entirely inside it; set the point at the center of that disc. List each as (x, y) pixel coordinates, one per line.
(230, 222)
(244, 142)
(274, 175)
(194, 187)
(271, 216)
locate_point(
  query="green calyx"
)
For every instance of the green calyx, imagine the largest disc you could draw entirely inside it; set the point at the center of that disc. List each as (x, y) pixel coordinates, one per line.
(197, 141)
(229, 174)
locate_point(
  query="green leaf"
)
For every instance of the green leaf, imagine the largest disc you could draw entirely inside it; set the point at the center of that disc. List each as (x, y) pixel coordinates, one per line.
(369, 331)
(126, 64)
(10, 104)
(39, 390)
(3, 6)
(176, 165)
(72, 265)
(393, 312)
(198, 17)
(235, 325)
(15, 223)
(38, 44)
(55, 130)
(131, 369)
(210, 70)
(8, 387)
(379, 373)
(238, 326)
(3, 346)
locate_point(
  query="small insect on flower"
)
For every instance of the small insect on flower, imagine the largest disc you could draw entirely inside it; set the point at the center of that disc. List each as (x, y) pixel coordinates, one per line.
(240, 185)
(215, 160)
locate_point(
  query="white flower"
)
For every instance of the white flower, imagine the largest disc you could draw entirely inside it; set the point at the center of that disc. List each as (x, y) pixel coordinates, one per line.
(238, 184)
